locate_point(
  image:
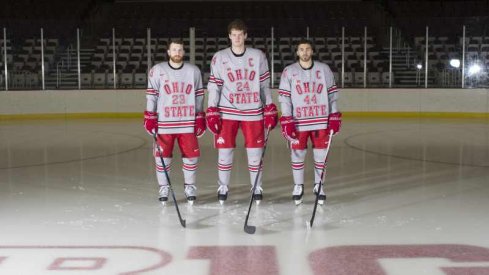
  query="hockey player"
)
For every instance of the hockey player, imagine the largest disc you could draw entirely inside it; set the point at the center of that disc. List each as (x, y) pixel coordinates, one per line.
(174, 109)
(308, 95)
(239, 97)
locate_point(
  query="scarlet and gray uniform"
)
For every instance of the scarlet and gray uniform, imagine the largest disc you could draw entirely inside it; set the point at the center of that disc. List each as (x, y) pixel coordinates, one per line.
(176, 95)
(308, 95)
(239, 84)
(239, 87)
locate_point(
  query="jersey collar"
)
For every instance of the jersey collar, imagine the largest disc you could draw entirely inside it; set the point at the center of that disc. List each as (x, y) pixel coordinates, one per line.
(312, 65)
(238, 55)
(179, 68)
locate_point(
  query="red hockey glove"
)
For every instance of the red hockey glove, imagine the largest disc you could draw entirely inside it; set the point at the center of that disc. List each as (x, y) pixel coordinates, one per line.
(334, 122)
(270, 116)
(199, 129)
(213, 118)
(288, 129)
(150, 122)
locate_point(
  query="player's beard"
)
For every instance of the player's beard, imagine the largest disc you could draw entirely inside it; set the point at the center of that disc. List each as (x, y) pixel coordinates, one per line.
(305, 58)
(176, 59)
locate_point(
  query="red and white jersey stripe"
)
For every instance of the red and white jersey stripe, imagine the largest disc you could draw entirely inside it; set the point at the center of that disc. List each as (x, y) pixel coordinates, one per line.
(199, 92)
(311, 122)
(151, 91)
(217, 81)
(244, 113)
(283, 93)
(265, 76)
(176, 124)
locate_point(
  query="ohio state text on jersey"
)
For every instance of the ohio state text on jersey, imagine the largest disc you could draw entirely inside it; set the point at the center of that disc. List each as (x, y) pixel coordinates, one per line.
(309, 95)
(177, 94)
(239, 84)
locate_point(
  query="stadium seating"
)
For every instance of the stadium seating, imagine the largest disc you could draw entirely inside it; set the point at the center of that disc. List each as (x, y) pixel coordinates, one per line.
(323, 21)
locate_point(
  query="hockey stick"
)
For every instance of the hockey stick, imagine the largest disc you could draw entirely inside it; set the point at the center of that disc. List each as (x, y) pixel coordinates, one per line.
(309, 224)
(182, 221)
(250, 229)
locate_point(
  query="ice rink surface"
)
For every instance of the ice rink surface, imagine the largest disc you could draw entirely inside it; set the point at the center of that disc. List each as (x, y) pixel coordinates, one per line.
(405, 196)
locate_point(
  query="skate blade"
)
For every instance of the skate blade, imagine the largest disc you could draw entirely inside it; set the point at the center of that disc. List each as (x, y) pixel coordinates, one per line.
(258, 202)
(163, 203)
(297, 202)
(190, 203)
(321, 202)
(221, 202)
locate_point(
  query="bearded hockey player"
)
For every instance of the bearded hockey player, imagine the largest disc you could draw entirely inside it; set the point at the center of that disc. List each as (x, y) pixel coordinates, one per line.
(174, 110)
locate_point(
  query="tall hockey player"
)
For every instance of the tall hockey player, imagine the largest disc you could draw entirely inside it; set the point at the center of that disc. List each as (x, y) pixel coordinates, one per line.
(308, 95)
(174, 109)
(239, 97)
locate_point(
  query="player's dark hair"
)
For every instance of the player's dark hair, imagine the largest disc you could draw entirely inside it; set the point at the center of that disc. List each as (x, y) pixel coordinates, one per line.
(304, 41)
(175, 41)
(237, 24)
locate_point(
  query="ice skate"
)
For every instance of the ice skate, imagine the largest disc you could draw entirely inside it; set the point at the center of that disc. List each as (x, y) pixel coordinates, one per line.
(258, 195)
(164, 189)
(322, 195)
(222, 193)
(190, 193)
(297, 193)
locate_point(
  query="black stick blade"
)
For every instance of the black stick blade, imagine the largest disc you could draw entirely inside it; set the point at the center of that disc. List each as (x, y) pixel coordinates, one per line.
(183, 223)
(250, 229)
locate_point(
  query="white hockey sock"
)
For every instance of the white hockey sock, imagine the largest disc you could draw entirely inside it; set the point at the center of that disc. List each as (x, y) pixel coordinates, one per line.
(189, 168)
(224, 165)
(254, 156)
(297, 157)
(160, 172)
(319, 164)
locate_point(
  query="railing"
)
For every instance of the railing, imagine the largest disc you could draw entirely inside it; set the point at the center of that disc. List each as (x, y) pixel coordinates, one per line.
(366, 65)
(59, 65)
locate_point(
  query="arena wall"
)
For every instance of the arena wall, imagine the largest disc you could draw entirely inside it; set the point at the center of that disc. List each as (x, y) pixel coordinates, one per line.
(353, 102)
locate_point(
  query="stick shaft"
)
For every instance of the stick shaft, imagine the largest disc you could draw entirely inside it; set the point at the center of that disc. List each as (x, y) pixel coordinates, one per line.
(182, 221)
(246, 226)
(321, 180)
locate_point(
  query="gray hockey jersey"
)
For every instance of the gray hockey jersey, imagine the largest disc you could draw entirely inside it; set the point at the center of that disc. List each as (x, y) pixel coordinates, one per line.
(177, 95)
(309, 95)
(239, 84)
